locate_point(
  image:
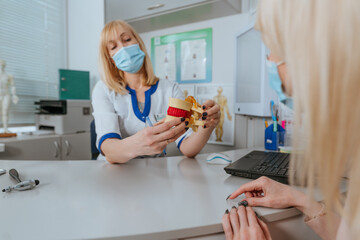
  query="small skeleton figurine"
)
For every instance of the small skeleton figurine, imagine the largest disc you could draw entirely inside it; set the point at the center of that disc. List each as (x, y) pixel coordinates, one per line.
(7, 93)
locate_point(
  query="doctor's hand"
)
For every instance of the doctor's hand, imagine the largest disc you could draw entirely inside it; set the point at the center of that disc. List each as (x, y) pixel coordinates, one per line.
(153, 140)
(269, 193)
(211, 114)
(242, 223)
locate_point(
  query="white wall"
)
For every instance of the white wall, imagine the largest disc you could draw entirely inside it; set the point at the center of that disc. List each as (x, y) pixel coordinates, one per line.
(224, 31)
(249, 132)
(85, 20)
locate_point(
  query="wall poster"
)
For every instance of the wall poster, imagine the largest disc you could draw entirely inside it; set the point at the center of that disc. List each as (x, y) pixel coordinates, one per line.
(183, 57)
(223, 95)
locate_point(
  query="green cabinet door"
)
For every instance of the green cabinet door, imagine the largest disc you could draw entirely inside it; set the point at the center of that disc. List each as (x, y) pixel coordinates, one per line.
(74, 84)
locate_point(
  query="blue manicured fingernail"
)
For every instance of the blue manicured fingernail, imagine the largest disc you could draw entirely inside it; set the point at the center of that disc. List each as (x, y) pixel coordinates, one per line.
(204, 107)
(182, 119)
(227, 211)
(204, 114)
(203, 118)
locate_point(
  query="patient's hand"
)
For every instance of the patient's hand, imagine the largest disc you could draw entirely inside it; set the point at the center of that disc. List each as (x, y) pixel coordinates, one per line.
(269, 193)
(242, 223)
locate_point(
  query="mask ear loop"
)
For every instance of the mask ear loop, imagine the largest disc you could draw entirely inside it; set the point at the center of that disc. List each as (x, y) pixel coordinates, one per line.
(277, 64)
(280, 63)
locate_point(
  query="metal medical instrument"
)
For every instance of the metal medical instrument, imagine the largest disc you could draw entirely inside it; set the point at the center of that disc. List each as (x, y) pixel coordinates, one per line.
(15, 175)
(25, 185)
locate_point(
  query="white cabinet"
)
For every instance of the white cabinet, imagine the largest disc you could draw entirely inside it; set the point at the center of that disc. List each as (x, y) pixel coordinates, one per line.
(2, 147)
(76, 146)
(129, 10)
(149, 15)
(32, 148)
(51, 147)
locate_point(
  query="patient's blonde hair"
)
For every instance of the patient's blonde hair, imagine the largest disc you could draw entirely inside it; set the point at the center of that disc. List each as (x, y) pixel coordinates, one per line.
(110, 74)
(320, 42)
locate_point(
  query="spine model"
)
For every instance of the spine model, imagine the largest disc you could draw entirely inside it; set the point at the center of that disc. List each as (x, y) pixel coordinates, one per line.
(188, 108)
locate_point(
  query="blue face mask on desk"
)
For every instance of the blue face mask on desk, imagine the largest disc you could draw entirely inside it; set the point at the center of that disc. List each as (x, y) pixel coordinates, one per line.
(276, 84)
(129, 59)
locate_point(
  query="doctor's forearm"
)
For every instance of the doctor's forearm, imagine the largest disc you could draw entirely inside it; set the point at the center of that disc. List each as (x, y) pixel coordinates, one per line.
(118, 151)
(195, 142)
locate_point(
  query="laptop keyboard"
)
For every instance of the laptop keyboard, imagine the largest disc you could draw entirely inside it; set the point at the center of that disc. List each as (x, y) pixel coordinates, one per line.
(274, 164)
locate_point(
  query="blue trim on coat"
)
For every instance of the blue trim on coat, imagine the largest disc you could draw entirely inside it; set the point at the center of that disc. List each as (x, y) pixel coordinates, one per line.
(142, 115)
(106, 136)
(178, 146)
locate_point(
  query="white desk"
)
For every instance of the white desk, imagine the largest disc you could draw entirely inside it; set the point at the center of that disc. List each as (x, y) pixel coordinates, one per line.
(164, 198)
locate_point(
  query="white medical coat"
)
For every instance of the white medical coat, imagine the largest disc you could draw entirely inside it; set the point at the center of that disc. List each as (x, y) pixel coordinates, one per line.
(118, 116)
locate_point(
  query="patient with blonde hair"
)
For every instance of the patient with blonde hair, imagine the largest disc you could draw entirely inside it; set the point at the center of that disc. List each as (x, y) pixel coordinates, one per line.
(316, 53)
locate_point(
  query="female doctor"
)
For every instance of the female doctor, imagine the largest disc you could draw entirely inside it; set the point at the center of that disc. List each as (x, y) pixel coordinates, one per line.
(129, 92)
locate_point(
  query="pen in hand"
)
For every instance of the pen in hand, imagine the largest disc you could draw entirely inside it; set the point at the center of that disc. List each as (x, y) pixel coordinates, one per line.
(148, 121)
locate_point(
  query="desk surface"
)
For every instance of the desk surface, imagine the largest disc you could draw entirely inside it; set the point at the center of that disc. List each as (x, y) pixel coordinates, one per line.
(146, 198)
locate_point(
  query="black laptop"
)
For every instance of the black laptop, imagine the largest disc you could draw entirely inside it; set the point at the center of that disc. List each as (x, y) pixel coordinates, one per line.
(255, 164)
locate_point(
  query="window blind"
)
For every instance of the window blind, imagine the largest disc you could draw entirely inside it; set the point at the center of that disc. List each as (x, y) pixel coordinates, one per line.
(33, 44)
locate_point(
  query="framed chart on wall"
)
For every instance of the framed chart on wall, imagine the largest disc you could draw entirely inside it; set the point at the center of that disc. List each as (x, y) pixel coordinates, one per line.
(223, 95)
(183, 57)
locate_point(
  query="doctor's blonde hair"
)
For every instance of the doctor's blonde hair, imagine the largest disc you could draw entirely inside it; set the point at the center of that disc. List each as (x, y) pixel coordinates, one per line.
(319, 40)
(110, 74)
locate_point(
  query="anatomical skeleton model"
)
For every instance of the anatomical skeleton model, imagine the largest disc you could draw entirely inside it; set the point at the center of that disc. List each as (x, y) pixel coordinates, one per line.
(7, 93)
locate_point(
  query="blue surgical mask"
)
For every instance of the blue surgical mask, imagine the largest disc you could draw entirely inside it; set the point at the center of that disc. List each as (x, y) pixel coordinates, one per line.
(129, 59)
(275, 83)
